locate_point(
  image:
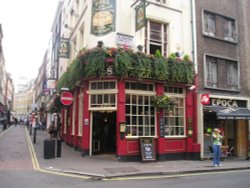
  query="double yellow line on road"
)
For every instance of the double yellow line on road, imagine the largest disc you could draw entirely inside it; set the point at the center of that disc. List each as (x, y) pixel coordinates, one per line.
(36, 165)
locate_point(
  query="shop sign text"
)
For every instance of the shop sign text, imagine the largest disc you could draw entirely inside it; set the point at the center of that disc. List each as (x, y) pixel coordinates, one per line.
(224, 103)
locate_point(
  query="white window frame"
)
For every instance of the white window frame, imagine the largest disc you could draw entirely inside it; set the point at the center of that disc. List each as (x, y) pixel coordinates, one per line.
(232, 75)
(102, 93)
(142, 118)
(209, 23)
(172, 115)
(230, 29)
(211, 72)
(164, 39)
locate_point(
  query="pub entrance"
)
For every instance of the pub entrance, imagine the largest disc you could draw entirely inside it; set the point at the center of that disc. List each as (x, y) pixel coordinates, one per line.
(104, 132)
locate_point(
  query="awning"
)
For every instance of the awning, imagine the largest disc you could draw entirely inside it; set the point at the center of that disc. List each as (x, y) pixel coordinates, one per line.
(230, 113)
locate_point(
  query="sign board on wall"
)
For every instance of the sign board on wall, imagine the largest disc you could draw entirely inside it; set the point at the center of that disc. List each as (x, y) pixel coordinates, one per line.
(63, 50)
(124, 40)
(140, 16)
(103, 17)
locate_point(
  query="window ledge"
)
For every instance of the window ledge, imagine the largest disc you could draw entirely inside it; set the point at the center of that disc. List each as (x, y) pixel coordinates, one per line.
(220, 39)
(175, 137)
(222, 89)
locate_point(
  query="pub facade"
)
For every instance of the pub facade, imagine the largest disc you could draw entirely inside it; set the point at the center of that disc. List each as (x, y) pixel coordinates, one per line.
(132, 75)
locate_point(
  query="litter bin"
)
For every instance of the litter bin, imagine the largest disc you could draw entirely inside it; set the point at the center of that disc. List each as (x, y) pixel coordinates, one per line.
(49, 149)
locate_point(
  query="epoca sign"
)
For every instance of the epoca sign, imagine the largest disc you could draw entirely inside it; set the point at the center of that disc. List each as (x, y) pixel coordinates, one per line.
(224, 102)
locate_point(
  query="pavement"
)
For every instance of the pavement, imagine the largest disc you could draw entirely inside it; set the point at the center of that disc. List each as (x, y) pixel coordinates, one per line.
(108, 166)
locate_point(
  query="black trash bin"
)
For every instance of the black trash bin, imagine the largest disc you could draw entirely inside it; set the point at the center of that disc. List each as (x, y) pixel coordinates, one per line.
(49, 149)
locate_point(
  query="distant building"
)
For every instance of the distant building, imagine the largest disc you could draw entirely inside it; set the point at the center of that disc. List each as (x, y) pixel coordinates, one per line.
(6, 87)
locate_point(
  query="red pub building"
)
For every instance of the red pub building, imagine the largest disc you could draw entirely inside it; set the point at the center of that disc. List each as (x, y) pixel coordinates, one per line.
(121, 97)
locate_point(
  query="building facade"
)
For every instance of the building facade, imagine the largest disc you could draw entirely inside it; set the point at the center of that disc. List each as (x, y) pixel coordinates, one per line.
(118, 72)
(222, 41)
(6, 88)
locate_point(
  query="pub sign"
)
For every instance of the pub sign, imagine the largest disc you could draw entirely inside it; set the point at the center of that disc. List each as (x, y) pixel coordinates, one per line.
(103, 17)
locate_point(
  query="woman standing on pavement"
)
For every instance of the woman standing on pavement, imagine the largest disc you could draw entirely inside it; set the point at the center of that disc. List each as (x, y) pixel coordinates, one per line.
(217, 141)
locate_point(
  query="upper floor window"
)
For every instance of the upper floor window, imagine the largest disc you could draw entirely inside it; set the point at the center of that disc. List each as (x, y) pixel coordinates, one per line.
(156, 37)
(211, 72)
(232, 75)
(209, 23)
(229, 77)
(219, 26)
(229, 29)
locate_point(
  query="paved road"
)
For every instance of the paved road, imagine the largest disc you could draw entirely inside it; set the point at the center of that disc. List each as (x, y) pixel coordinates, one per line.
(17, 170)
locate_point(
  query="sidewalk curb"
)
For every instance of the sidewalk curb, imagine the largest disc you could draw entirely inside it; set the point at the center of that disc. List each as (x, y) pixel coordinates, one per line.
(141, 174)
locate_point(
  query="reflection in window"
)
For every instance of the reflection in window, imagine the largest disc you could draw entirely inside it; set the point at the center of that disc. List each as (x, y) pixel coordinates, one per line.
(140, 115)
(174, 119)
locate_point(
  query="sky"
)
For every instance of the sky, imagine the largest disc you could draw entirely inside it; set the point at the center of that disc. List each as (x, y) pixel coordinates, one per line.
(26, 27)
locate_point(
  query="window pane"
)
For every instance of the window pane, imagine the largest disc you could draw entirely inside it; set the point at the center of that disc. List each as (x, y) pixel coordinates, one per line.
(174, 119)
(143, 123)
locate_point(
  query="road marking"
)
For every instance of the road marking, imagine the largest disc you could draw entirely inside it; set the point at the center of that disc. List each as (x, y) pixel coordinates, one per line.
(172, 176)
(36, 165)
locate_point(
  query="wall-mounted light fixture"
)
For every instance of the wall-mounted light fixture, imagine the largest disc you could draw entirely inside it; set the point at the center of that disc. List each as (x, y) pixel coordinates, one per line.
(100, 44)
(140, 48)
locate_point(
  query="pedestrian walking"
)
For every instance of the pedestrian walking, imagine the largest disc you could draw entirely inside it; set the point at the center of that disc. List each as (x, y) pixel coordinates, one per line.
(52, 131)
(217, 142)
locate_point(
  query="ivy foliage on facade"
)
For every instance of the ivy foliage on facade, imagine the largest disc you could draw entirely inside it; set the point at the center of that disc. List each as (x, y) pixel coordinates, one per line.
(125, 63)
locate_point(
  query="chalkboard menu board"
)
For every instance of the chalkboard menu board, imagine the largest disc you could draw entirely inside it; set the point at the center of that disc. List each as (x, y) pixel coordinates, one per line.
(147, 149)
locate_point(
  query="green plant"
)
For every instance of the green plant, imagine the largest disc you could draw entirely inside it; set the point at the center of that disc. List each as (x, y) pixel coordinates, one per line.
(163, 102)
(126, 63)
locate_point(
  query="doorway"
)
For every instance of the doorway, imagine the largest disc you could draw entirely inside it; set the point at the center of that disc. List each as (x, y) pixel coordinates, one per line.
(104, 133)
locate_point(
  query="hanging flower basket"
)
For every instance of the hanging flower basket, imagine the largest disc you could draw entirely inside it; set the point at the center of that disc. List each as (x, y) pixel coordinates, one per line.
(163, 102)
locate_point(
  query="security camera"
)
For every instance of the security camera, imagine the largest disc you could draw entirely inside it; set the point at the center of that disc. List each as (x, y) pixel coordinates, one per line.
(192, 87)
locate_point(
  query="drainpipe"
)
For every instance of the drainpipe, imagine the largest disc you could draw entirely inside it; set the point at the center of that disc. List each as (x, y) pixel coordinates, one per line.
(194, 37)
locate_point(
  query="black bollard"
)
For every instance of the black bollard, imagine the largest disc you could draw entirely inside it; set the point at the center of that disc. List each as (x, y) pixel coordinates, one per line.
(59, 148)
(34, 137)
(30, 127)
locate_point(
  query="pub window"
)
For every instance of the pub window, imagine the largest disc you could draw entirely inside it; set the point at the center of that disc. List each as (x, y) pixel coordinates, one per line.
(103, 95)
(140, 112)
(209, 23)
(229, 29)
(156, 38)
(211, 72)
(139, 86)
(74, 116)
(140, 115)
(80, 112)
(174, 119)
